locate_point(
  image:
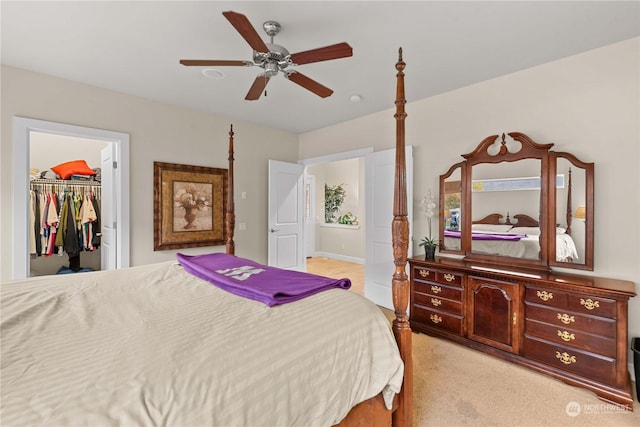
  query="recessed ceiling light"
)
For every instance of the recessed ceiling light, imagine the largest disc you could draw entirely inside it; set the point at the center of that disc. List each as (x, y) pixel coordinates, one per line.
(355, 98)
(212, 73)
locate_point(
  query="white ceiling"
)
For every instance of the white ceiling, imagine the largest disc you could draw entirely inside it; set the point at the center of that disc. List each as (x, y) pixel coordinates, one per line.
(134, 47)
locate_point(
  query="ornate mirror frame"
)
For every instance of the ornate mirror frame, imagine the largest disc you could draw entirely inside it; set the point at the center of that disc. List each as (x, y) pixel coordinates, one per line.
(555, 216)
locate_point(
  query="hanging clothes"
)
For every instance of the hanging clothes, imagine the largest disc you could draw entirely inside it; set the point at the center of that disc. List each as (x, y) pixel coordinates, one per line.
(65, 218)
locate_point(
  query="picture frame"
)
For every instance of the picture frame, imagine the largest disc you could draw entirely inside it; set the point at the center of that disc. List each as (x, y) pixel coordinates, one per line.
(189, 204)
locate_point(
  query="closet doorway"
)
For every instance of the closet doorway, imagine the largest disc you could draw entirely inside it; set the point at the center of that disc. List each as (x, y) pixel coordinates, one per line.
(114, 147)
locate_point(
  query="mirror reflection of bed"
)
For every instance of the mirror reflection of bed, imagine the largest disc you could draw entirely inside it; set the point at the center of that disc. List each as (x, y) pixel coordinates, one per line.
(518, 237)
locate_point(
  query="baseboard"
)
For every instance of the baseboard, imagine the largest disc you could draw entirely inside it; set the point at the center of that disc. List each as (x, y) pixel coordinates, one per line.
(346, 258)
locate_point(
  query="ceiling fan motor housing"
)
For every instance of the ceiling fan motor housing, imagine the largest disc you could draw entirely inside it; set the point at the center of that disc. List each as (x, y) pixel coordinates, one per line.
(276, 59)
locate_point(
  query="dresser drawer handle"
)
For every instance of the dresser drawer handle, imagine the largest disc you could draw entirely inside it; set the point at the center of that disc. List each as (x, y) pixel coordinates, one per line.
(544, 295)
(589, 304)
(436, 302)
(436, 289)
(566, 336)
(566, 319)
(566, 358)
(424, 273)
(449, 277)
(435, 318)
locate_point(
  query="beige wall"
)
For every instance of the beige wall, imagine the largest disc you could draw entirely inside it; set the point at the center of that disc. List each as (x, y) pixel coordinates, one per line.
(158, 132)
(586, 104)
(344, 243)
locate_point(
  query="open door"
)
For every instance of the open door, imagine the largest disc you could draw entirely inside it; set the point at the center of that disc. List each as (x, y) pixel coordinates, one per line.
(108, 210)
(286, 216)
(379, 178)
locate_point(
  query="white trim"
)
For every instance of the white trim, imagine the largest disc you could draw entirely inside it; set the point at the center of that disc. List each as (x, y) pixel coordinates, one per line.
(22, 127)
(345, 226)
(337, 156)
(340, 257)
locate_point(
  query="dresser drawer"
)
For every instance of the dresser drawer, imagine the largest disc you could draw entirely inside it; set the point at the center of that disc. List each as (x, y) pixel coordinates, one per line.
(592, 305)
(584, 364)
(551, 298)
(437, 302)
(571, 337)
(581, 303)
(436, 319)
(447, 278)
(438, 290)
(570, 319)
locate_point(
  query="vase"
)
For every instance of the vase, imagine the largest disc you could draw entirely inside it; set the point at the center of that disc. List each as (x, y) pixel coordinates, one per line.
(429, 252)
(190, 217)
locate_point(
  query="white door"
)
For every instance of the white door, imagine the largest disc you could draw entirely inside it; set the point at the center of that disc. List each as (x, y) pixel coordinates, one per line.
(309, 215)
(108, 209)
(379, 266)
(286, 215)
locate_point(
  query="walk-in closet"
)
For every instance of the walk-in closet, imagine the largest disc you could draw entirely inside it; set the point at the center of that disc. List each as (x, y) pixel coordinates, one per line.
(65, 200)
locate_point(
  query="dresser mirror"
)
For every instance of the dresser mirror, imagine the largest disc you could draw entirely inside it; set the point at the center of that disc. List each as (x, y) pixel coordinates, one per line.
(515, 201)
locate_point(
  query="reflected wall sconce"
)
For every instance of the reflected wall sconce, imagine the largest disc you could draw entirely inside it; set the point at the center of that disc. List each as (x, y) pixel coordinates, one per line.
(581, 213)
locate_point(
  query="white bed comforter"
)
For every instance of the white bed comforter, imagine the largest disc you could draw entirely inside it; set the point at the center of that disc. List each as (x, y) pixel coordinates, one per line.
(153, 345)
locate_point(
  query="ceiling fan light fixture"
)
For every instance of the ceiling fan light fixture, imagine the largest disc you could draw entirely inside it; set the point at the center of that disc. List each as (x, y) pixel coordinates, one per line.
(355, 98)
(271, 69)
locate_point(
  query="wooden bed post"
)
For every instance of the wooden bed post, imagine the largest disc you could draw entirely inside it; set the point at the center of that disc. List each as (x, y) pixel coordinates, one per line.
(403, 416)
(230, 216)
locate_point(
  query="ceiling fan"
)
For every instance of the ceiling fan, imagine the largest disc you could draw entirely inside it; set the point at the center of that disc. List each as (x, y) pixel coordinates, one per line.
(274, 58)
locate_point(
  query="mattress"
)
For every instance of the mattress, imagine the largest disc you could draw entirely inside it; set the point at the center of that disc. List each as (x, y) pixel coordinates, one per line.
(154, 345)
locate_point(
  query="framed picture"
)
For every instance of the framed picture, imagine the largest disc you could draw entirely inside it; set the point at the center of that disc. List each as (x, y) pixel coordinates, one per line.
(189, 204)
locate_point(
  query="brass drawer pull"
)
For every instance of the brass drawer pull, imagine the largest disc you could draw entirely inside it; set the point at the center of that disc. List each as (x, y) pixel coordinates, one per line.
(566, 358)
(566, 319)
(544, 295)
(436, 302)
(449, 277)
(423, 273)
(589, 304)
(435, 318)
(566, 336)
(436, 289)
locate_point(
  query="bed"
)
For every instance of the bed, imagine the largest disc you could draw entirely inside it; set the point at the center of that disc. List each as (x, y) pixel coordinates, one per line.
(497, 235)
(158, 345)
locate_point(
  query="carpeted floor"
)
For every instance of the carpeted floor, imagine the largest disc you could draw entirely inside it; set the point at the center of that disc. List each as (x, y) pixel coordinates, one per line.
(457, 386)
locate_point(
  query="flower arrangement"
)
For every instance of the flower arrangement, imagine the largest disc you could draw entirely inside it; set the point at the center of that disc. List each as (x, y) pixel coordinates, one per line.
(428, 206)
(191, 199)
(188, 197)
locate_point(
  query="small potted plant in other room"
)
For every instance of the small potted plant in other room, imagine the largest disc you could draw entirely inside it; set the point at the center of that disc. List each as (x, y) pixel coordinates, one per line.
(430, 244)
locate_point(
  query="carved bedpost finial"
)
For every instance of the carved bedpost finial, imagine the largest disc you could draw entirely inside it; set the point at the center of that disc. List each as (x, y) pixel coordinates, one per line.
(230, 222)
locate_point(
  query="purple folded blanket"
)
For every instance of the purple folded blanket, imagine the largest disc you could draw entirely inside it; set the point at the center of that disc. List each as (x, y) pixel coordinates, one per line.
(248, 279)
(487, 236)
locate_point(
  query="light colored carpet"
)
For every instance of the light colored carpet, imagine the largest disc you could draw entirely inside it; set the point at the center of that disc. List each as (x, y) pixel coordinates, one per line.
(457, 386)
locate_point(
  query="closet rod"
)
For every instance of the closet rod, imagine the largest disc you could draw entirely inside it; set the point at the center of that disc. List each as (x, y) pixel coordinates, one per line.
(64, 182)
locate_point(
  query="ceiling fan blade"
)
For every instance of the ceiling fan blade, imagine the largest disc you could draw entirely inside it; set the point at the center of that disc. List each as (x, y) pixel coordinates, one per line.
(257, 87)
(309, 84)
(246, 30)
(335, 51)
(216, 62)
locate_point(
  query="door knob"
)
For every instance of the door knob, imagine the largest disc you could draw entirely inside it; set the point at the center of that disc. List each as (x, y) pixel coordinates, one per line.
(273, 230)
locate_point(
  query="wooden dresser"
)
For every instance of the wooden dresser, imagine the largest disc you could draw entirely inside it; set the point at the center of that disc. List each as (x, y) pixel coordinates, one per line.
(571, 327)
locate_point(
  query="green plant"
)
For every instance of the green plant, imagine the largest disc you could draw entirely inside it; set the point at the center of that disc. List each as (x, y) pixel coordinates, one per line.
(348, 219)
(428, 241)
(333, 198)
